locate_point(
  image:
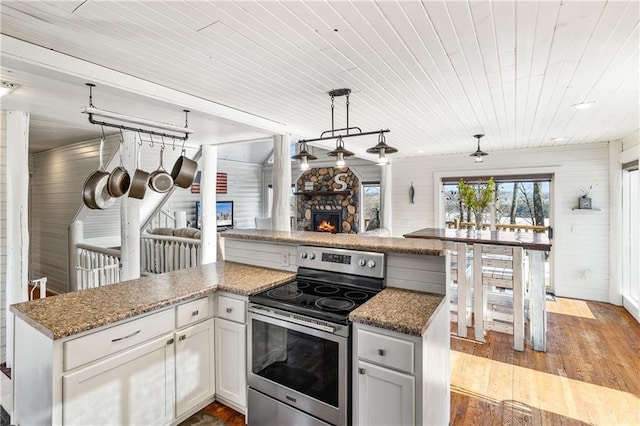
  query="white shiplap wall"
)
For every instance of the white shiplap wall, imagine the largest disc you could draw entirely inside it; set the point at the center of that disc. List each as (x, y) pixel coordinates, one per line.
(244, 186)
(58, 176)
(581, 238)
(3, 240)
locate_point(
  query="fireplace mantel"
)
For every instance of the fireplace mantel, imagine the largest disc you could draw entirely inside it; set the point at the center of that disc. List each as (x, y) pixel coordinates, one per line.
(311, 193)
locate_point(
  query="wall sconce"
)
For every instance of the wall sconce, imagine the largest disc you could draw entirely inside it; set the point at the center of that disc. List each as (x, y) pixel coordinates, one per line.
(341, 153)
(304, 156)
(479, 153)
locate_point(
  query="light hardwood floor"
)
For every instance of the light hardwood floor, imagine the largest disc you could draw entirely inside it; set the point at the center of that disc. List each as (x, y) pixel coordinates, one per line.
(590, 373)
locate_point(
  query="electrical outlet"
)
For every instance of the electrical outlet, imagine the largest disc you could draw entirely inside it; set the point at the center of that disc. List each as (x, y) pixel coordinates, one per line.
(285, 258)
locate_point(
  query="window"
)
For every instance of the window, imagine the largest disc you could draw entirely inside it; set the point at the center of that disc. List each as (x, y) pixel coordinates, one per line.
(522, 202)
(631, 230)
(371, 205)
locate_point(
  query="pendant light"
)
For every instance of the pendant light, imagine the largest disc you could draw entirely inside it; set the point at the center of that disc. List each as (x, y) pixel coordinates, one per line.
(479, 153)
(304, 156)
(341, 153)
(382, 149)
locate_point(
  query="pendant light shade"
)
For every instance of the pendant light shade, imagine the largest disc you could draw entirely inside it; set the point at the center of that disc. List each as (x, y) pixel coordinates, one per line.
(479, 154)
(382, 149)
(340, 153)
(304, 156)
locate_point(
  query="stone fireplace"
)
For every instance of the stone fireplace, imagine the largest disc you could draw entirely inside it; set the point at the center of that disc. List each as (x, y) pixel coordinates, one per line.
(331, 192)
(326, 221)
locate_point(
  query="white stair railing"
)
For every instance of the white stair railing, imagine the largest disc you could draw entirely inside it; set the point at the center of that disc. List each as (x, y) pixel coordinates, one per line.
(162, 219)
(96, 266)
(161, 254)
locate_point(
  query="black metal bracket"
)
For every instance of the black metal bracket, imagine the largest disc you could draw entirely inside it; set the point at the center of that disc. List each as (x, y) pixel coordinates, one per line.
(326, 138)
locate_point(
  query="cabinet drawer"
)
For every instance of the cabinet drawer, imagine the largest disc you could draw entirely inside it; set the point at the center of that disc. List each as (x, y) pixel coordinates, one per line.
(231, 309)
(386, 350)
(113, 339)
(192, 312)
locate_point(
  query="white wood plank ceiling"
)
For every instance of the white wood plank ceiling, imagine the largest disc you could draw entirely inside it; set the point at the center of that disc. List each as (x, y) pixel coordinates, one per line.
(434, 72)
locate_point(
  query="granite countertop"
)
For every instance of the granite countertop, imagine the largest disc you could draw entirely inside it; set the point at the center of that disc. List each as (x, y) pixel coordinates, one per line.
(72, 313)
(348, 241)
(404, 311)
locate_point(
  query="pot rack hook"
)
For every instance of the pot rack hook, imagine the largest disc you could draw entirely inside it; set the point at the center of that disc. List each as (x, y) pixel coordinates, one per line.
(173, 138)
(162, 137)
(151, 139)
(183, 142)
(121, 137)
(139, 139)
(103, 135)
(91, 86)
(186, 117)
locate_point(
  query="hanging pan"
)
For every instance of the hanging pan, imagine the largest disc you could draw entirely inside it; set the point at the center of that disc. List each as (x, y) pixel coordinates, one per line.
(140, 178)
(184, 170)
(160, 181)
(119, 179)
(94, 192)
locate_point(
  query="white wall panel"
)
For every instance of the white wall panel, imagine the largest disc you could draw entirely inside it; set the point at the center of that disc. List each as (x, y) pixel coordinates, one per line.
(3, 239)
(581, 238)
(58, 176)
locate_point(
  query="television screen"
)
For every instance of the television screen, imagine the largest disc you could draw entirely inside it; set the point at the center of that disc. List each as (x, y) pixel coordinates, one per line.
(224, 214)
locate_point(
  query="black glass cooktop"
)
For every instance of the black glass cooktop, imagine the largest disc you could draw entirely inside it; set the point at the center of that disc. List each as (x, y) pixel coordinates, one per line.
(320, 300)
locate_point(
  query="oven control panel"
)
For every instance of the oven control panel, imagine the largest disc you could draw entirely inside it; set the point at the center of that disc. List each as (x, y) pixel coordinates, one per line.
(355, 262)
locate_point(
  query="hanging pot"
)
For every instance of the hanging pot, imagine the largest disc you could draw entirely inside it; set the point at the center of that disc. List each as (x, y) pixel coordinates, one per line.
(140, 179)
(119, 180)
(184, 171)
(160, 181)
(94, 192)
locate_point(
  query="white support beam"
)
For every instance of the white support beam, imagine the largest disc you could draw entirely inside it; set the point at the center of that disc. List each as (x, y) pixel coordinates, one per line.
(280, 214)
(76, 236)
(209, 231)
(17, 231)
(386, 200)
(129, 217)
(23, 52)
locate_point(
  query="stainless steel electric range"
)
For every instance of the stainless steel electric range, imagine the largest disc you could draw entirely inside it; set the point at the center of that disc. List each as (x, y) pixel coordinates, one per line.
(300, 338)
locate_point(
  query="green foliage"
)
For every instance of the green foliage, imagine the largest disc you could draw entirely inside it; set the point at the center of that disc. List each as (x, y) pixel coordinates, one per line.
(477, 196)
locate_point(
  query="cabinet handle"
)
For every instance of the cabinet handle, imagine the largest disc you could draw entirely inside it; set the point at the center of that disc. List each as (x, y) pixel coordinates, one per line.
(170, 341)
(381, 352)
(229, 310)
(361, 370)
(181, 338)
(194, 313)
(117, 339)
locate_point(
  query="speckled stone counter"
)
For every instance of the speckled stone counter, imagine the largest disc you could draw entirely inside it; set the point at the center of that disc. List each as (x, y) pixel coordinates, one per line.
(404, 311)
(348, 241)
(72, 313)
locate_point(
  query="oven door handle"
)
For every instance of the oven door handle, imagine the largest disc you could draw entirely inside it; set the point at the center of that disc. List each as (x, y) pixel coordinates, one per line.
(294, 319)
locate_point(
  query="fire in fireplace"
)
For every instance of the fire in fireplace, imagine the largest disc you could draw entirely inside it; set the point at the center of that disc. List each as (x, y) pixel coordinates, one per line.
(326, 221)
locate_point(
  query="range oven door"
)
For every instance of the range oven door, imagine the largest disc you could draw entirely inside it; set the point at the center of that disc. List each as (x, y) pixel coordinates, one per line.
(303, 365)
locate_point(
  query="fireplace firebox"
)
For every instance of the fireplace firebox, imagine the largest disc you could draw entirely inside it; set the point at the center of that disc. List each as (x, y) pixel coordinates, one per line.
(326, 221)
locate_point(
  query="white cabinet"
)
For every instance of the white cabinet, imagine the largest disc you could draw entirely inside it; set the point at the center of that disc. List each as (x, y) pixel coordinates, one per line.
(230, 349)
(231, 371)
(195, 372)
(402, 379)
(135, 386)
(385, 396)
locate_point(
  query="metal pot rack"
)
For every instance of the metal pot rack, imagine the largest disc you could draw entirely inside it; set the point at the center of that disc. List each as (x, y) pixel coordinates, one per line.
(177, 132)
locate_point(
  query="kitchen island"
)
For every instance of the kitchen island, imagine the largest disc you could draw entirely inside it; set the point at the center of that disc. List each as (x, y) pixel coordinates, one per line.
(139, 351)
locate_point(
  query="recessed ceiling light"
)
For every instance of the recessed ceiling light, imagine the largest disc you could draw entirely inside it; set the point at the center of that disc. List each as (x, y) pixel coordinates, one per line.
(583, 105)
(421, 151)
(6, 88)
(559, 139)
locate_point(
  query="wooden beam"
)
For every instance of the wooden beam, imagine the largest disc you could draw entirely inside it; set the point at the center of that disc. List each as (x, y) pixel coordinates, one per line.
(280, 215)
(17, 198)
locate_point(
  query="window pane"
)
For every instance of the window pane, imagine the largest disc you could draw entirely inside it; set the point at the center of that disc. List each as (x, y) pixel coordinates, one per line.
(371, 203)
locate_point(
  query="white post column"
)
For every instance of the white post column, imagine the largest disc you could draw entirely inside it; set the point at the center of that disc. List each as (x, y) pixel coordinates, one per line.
(615, 223)
(280, 214)
(129, 217)
(17, 231)
(385, 198)
(209, 231)
(76, 235)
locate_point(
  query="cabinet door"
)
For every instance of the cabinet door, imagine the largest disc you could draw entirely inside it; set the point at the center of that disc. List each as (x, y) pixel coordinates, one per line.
(195, 376)
(385, 397)
(132, 387)
(231, 368)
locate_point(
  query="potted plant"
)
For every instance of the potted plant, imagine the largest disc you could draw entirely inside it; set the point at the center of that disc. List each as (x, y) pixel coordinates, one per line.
(477, 196)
